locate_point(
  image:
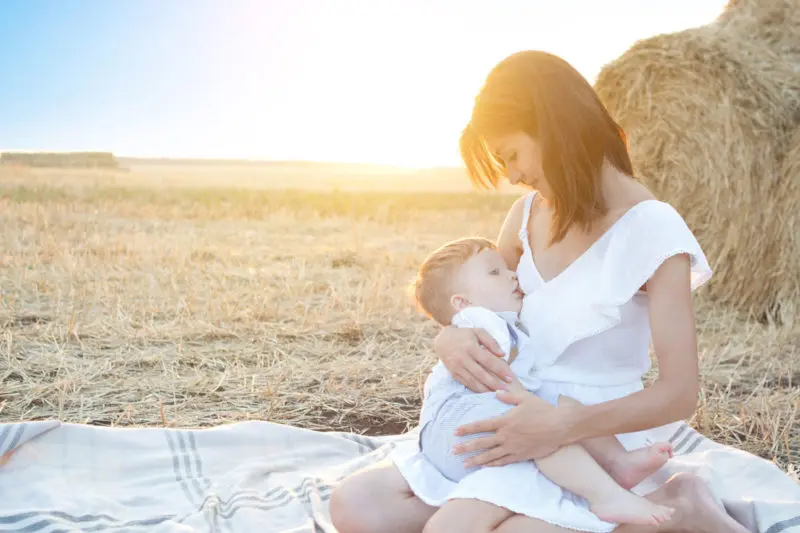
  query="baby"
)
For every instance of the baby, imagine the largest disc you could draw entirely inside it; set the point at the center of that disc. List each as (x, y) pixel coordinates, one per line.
(466, 283)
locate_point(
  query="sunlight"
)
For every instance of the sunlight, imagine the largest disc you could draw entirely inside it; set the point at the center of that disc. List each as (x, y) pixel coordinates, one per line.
(393, 83)
(355, 81)
(376, 96)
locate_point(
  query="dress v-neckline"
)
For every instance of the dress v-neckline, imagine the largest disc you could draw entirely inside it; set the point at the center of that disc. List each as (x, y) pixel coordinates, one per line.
(585, 253)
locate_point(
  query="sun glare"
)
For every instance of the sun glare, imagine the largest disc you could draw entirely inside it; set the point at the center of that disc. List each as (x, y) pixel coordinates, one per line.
(354, 81)
(375, 95)
(394, 83)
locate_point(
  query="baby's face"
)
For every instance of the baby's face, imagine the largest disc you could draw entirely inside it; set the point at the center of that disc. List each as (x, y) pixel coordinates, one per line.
(485, 281)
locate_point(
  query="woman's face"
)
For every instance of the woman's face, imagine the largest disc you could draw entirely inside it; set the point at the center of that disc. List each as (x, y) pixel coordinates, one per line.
(522, 158)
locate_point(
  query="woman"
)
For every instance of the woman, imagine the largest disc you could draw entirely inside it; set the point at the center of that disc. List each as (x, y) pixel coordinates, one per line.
(607, 268)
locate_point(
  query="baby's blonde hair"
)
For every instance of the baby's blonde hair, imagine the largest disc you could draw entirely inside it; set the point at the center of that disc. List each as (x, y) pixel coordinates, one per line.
(433, 286)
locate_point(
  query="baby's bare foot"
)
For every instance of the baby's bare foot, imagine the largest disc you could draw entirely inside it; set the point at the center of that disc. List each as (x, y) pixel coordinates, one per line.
(628, 508)
(633, 467)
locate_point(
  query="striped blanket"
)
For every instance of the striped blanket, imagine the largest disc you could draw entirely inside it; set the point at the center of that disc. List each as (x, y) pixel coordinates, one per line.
(259, 476)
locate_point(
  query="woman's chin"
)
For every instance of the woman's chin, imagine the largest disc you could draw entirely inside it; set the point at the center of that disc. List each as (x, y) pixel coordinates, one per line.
(534, 186)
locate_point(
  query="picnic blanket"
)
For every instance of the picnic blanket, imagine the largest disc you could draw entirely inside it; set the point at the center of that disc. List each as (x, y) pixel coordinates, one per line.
(260, 476)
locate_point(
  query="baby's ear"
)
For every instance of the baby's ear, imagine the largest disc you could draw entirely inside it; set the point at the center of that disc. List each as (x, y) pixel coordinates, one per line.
(459, 302)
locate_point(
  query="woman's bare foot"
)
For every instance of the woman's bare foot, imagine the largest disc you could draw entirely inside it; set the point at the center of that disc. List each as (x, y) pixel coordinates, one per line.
(624, 507)
(631, 468)
(696, 511)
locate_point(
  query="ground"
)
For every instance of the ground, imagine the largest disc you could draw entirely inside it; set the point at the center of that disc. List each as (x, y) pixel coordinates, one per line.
(151, 297)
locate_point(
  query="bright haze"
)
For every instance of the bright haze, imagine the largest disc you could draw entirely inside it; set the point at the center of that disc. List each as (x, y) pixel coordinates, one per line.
(367, 81)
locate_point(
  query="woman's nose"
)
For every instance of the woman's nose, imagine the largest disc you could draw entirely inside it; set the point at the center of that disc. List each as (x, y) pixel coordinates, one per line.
(513, 177)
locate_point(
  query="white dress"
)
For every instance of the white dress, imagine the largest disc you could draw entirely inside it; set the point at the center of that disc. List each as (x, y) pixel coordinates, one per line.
(589, 327)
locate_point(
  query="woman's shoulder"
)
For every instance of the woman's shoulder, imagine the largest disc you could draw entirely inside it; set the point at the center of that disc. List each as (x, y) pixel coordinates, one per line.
(646, 235)
(638, 206)
(654, 217)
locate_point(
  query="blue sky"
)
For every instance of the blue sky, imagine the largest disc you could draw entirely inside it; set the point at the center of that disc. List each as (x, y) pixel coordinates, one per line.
(340, 80)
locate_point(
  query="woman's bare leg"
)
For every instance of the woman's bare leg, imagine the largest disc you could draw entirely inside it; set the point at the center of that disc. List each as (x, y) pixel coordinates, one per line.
(378, 500)
(695, 512)
(467, 516)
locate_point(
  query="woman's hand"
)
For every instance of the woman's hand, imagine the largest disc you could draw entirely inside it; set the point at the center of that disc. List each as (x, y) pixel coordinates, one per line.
(531, 430)
(473, 358)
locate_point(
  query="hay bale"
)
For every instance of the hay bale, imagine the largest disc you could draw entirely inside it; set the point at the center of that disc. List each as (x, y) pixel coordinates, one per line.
(772, 29)
(708, 126)
(788, 193)
(771, 23)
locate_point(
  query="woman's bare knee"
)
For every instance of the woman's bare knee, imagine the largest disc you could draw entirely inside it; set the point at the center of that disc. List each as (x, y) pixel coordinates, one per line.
(525, 524)
(467, 516)
(352, 499)
(342, 510)
(370, 499)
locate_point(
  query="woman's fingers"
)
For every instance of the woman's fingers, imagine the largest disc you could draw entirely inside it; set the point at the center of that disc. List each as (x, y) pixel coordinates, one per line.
(489, 425)
(487, 457)
(511, 398)
(496, 371)
(515, 388)
(505, 460)
(469, 380)
(479, 444)
(488, 341)
(485, 381)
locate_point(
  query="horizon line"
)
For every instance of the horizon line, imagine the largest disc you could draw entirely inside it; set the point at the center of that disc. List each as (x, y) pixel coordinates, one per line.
(238, 160)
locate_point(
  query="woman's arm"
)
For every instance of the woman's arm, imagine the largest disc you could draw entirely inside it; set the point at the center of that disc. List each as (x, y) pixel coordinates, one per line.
(508, 243)
(535, 429)
(471, 355)
(673, 396)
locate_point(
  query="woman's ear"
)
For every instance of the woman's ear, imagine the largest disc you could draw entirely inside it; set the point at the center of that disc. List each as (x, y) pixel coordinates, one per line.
(459, 302)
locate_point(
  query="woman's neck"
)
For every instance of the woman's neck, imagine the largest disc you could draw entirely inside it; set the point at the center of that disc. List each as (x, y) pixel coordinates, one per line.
(620, 190)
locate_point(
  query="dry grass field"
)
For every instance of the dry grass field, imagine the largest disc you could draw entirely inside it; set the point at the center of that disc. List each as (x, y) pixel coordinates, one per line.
(127, 301)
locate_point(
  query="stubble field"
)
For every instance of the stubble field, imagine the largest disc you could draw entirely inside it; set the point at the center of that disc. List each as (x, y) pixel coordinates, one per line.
(139, 299)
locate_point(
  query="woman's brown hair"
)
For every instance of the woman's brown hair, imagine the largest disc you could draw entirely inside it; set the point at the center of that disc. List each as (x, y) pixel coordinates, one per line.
(545, 97)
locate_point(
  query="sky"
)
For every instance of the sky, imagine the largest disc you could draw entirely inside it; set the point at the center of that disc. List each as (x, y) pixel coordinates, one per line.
(372, 81)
